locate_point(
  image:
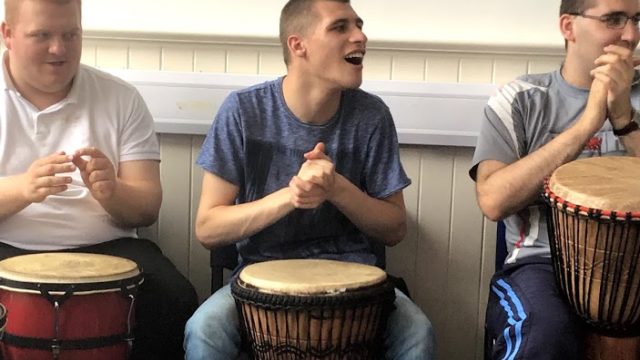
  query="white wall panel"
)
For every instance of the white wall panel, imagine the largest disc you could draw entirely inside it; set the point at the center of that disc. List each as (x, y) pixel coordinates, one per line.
(447, 257)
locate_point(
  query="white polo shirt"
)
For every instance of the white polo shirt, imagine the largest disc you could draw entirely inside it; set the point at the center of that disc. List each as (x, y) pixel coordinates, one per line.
(101, 111)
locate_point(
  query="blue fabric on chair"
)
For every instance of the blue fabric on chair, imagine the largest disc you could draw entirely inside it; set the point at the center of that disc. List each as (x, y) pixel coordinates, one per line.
(501, 254)
(501, 246)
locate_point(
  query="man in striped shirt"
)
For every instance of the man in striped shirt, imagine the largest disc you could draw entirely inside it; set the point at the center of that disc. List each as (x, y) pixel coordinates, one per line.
(532, 126)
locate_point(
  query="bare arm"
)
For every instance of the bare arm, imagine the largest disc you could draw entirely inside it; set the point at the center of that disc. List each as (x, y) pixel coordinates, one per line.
(631, 143)
(382, 219)
(220, 222)
(138, 196)
(132, 196)
(43, 178)
(504, 189)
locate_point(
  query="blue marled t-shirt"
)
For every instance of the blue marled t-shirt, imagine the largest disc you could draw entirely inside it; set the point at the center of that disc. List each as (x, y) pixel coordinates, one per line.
(256, 143)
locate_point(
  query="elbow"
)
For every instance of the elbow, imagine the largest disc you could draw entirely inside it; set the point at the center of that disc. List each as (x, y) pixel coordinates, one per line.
(204, 237)
(397, 235)
(148, 220)
(491, 209)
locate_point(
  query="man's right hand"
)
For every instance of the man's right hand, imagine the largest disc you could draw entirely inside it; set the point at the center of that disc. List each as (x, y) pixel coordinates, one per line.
(42, 179)
(596, 106)
(314, 182)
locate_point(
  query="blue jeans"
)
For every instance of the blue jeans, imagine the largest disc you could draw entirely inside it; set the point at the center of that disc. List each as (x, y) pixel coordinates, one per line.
(213, 332)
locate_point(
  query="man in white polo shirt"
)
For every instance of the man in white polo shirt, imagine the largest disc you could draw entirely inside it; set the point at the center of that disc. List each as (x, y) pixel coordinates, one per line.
(79, 164)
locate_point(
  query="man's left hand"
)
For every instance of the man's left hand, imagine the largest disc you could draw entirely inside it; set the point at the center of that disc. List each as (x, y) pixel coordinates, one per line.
(97, 172)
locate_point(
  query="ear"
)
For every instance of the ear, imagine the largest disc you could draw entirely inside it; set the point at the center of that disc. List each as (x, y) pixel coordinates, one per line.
(567, 27)
(296, 46)
(6, 34)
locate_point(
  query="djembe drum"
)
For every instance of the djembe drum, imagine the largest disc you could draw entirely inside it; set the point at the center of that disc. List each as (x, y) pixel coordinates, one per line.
(68, 306)
(594, 228)
(313, 309)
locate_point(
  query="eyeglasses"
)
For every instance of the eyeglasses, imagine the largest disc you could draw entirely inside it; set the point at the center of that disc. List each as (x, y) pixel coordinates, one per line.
(615, 20)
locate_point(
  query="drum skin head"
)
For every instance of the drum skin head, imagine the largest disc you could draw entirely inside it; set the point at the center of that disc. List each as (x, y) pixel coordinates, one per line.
(67, 268)
(604, 183)
(310, 276)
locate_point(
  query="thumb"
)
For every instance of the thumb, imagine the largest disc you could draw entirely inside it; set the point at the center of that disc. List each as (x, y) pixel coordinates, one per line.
(316, 153)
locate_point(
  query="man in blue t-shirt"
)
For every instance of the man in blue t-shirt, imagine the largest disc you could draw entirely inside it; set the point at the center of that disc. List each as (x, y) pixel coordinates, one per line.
(305, 166)
(531, 127)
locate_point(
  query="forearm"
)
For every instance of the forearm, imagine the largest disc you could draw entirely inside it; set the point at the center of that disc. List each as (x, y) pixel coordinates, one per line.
(380, 219)
(134, 204)
(11, 199)
(513, 187)
(227, 224)
(631, 143)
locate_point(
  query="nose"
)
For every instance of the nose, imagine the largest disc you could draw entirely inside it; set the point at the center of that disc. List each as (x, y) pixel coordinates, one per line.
(57, 45)
(359, 36)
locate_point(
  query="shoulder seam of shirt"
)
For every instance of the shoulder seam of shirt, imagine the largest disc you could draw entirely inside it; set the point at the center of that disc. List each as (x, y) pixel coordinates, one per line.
(501, 104)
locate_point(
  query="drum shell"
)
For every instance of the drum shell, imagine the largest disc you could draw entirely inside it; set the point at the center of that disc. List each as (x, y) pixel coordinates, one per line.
(100, 310)
(332, 326)
(597, 264)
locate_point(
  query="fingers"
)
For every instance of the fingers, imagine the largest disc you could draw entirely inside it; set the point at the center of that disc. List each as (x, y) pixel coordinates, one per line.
(318, 152)
(615, 72)
(81, 157)
(42, 178)
(320, 172)
(97, 171)
(306, 195)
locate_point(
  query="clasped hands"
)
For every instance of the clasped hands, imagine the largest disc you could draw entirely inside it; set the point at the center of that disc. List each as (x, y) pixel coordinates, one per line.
(315, 181)
(49, 175)
(610, 90)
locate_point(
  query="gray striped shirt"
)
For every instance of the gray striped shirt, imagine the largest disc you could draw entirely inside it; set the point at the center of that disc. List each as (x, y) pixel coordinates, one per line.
(526, 114)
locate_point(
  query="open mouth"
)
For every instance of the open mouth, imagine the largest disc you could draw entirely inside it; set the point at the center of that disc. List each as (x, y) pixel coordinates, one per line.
(355, 58)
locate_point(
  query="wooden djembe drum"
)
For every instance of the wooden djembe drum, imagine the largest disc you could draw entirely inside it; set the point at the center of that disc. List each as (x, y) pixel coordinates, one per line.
(68, 306)
(594, 228)
(313, 309)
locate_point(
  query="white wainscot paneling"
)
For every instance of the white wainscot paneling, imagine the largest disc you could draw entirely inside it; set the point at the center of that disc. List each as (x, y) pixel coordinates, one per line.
(447, 255)
(424, 113)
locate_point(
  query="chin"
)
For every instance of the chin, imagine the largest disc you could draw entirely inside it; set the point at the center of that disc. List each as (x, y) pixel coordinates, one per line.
(352, 83)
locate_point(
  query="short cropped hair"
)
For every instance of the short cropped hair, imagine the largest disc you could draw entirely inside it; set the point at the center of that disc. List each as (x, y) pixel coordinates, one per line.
(574, 6)
(297, 17)
(11, 7)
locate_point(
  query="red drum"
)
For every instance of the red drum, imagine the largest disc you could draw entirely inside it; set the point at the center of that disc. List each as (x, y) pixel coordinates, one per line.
(594, 233)
(68, 306)
(313, 309)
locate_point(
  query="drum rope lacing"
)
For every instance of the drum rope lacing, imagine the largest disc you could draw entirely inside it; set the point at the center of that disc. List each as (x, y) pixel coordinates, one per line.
(612, 238)
(259, 334)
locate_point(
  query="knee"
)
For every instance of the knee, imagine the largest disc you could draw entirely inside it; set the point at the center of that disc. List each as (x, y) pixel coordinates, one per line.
(409, 331)
(217, 314)
(561, 329)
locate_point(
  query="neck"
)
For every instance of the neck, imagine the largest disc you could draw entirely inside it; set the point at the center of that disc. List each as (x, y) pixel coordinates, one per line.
(309, 101)
(40, 99)
(577, 73)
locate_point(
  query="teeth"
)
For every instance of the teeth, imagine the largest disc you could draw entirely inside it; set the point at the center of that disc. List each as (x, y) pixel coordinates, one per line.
(354, 55)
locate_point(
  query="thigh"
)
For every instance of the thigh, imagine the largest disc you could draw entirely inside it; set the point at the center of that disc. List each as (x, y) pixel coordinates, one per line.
(217, 312)
(527, 317)
(409, 333)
